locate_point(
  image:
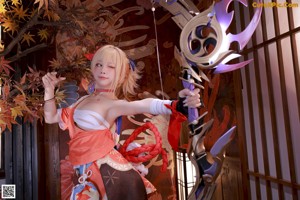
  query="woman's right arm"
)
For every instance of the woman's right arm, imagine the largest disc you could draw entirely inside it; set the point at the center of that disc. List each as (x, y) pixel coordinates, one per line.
(50, 112)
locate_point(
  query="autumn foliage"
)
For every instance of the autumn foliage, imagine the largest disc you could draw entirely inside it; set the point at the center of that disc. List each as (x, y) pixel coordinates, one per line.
(29, 26)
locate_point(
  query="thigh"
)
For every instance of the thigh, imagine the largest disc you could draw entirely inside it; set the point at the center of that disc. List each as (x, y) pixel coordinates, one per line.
(122, 185)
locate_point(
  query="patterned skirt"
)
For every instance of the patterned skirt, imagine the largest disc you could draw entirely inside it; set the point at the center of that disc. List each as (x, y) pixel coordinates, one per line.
(115, 178)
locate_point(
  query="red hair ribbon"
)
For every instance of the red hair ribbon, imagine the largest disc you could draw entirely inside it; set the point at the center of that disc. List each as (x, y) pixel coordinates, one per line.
(89, 56)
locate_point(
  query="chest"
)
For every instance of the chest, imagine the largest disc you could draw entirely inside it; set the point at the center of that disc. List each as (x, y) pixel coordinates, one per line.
(100, 105)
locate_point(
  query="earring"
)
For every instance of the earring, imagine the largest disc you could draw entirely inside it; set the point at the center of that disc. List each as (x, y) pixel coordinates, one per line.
(91, 87)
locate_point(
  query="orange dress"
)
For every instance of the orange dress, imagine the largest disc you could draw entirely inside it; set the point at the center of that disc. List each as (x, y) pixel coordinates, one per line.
(114, 177)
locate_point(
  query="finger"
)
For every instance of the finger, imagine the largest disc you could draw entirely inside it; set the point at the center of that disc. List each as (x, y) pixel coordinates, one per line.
(50, 77)
(45, 78)
(52, 74)
(46, 82)
(62, 78)
(196, 91)
(183, 93)
(53, 78)
(192, 97)
(50, 80)
(192, 102)
(195, 95)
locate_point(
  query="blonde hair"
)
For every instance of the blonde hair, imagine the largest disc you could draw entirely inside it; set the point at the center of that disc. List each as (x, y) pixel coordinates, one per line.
(126, 78)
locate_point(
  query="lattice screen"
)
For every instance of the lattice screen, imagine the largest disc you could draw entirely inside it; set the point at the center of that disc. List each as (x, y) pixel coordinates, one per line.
(271, 103)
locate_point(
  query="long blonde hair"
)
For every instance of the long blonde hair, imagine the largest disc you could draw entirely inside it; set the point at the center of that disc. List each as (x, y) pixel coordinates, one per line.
(126, 78)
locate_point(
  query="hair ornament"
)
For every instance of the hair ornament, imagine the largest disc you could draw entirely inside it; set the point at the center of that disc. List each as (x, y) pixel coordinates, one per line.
(89, 56)
(132, 64)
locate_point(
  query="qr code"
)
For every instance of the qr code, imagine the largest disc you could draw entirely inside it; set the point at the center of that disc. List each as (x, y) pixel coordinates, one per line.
(8, 191)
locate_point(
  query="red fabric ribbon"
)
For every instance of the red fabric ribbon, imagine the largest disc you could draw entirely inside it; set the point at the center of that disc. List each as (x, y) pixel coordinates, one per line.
(176, 119)
(152, 149)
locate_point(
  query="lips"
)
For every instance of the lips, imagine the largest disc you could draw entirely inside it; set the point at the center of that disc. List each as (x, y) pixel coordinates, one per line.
(102, 77)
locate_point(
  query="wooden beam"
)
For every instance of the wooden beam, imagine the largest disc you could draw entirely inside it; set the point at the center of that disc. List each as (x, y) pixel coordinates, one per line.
(281, 182)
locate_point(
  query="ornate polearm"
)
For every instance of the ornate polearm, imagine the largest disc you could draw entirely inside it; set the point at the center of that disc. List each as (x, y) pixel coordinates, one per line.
(204, 44)
(206, 173)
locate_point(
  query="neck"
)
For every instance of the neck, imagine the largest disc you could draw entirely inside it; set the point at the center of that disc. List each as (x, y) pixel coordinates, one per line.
(109, 93)
(100, 90)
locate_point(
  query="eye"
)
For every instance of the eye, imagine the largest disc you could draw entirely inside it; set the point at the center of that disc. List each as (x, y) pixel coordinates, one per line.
(98, 65)
(111, 66)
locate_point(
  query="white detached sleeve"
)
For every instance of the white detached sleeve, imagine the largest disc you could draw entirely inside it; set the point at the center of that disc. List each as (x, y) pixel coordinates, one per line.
(158, 107)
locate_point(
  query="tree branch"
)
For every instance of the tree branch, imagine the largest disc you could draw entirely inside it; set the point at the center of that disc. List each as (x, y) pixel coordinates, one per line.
(47, 23)
(27, 51)
(29, 24)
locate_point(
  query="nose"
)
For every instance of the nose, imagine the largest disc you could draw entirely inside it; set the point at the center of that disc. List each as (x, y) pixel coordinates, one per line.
(102, 70)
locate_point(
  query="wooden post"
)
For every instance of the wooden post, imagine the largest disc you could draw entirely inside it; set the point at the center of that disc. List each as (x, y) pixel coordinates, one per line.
(52, 165)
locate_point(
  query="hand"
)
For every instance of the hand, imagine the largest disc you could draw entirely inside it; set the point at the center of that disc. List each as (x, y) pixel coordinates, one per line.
(192, 98)
(50, 80)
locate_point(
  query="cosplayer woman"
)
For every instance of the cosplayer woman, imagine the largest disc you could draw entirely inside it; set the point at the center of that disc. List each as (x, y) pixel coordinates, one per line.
(90, 119)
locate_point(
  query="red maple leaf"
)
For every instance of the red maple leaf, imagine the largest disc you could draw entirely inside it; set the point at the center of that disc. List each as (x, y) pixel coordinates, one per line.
(4, 65)
(6, 120)
(82, 196)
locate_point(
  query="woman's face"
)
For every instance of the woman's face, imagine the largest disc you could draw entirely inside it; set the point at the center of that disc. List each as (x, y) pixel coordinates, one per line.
(104, 72)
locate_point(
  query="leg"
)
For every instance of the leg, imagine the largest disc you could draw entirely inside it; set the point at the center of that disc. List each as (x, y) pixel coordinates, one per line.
(125, 185)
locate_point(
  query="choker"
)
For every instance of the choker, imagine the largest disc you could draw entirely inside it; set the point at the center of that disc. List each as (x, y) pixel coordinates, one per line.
(98, 91)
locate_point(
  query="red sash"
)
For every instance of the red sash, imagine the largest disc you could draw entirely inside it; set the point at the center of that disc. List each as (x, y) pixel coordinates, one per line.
(88, 146)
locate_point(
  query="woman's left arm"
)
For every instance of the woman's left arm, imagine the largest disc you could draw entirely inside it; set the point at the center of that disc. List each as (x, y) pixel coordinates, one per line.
(124, 107)
(156, 106)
